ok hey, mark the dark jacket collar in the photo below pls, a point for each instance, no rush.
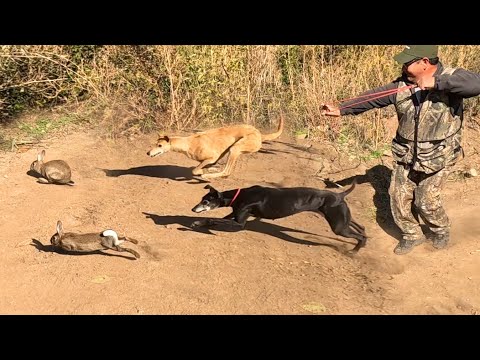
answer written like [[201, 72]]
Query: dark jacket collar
[[439, 69]]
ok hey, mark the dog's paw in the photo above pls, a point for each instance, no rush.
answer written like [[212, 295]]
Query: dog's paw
[[213, 169], [197, 172]]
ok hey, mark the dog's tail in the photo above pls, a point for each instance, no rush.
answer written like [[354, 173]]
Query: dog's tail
[[273, 136], [342, 195], [350, 189]]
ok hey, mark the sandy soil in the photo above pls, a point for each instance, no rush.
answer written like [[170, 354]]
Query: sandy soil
[[294, 265]]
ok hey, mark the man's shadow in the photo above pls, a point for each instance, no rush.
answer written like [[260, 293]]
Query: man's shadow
[[50, 248], [255, 225], [379, 177], [172, 172]]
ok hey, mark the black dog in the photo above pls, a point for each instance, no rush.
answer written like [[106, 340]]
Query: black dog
[[272, 203]]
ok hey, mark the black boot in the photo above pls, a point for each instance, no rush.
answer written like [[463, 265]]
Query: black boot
[[405, 246], [440, 241]]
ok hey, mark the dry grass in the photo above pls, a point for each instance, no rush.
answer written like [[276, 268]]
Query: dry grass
[[185, 87]]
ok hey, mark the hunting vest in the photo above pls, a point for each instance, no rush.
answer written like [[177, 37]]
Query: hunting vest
[[430, 139], [436, 122]]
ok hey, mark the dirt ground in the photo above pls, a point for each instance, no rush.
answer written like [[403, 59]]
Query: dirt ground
[[294, 265]]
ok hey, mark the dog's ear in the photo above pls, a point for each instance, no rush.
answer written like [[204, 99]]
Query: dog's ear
[[163, 137], [212, 189]]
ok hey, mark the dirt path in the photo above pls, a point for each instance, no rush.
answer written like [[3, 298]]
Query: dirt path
[[294, 265]]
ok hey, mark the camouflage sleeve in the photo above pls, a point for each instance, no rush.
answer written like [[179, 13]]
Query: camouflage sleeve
[[359, 105], [461, 82]]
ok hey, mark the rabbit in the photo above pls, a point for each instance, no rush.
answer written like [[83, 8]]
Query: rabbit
[[90, 242], [53, 172]]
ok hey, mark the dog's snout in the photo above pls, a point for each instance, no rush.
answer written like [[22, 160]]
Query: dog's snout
[[155, 151], [200, 208]]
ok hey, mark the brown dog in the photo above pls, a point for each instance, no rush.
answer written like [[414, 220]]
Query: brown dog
[[210, 146]]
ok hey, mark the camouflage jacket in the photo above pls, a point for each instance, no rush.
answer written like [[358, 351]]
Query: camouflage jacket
[[440, 118]]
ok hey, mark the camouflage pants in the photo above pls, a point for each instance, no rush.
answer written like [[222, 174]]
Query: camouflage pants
[[410, 190]]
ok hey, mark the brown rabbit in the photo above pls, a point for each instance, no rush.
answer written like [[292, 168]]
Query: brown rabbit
[[90, 242], [54, 171]]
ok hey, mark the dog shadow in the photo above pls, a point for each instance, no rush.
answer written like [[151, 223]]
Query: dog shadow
[[302, 148], [276, 151], [172, 172], [297, 150], [256, 225], [379, 177], [269, 151], [50, 248]]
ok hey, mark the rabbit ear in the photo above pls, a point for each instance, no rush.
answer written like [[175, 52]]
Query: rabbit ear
[[41, 155], [59, 228]]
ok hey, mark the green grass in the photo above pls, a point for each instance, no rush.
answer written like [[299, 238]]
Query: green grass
[[301, 131], [5, 143], [46, 126], [31, 133], [372, 213], [365, 152], [375, 153]]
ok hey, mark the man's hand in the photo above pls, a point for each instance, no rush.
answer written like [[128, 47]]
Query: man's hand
[[426, 82], [330, 110]]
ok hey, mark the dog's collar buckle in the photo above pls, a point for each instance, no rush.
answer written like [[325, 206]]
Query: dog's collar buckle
[[236, 194]]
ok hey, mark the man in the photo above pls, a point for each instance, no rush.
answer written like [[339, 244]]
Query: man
[[428, 139]]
